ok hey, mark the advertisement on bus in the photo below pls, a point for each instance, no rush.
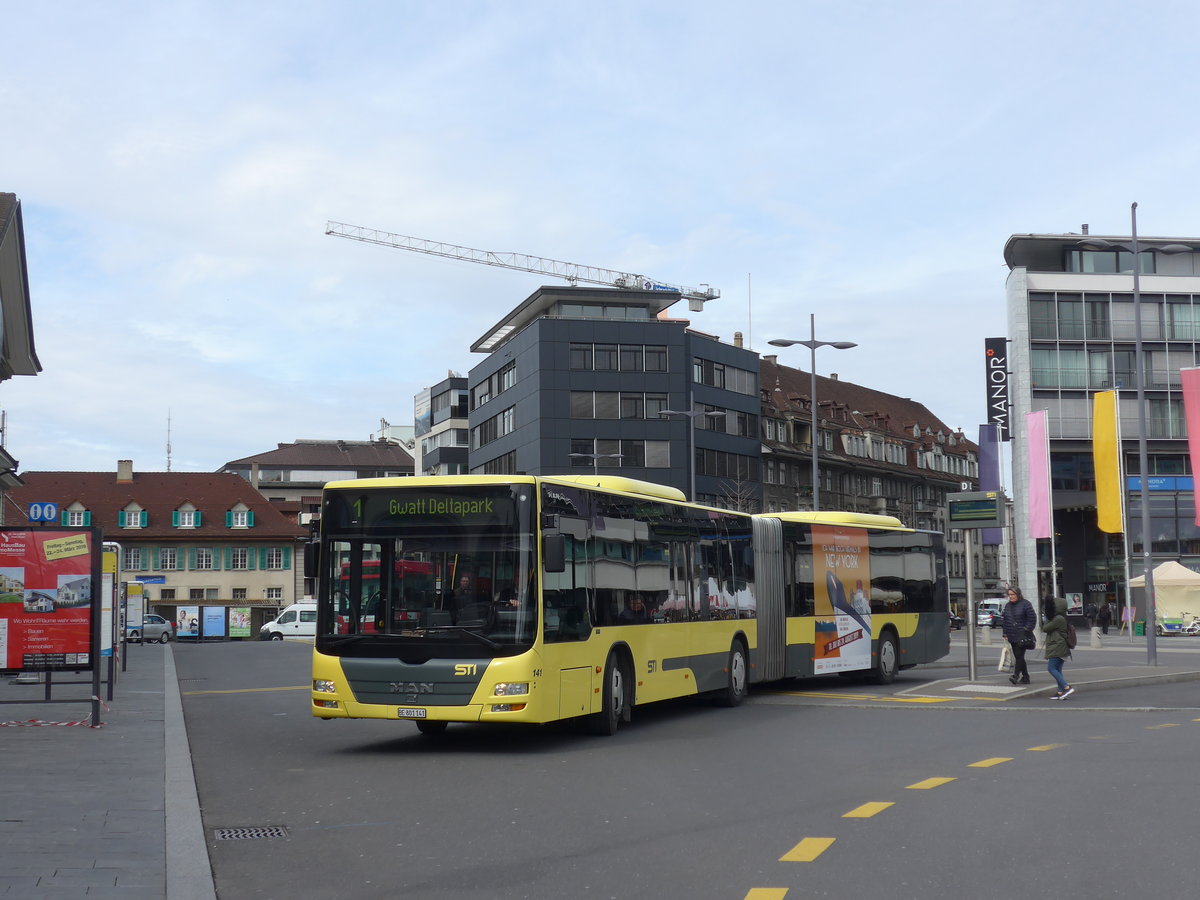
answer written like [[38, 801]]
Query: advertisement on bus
[[842, 575], [47, 619]]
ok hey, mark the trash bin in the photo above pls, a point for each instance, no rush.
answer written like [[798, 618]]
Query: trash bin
[[1139, 628]]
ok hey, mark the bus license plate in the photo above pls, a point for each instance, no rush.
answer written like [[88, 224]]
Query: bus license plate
[[406, 712]]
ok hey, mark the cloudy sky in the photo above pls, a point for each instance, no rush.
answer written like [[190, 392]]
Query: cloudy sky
[[864, 162]]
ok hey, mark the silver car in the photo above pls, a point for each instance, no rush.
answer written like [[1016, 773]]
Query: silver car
[[153, 628]]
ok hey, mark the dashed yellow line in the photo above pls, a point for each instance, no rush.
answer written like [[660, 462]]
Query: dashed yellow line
[[766, 894], [1047, 747], [1164, 725], [807, 850], [867, 810], [988, 763], [928, 784], [299, 687]]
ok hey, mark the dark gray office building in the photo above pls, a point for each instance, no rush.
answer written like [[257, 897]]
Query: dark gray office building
[[584, 380]]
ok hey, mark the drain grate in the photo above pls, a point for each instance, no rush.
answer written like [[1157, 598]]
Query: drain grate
[[250, 834]]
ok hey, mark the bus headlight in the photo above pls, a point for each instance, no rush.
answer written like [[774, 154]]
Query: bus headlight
[[324, 687], [512, 688]]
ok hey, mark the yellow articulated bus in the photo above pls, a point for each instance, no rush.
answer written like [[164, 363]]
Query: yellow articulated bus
[[489, 598]]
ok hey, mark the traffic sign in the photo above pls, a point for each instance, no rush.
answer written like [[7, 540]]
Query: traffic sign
[[43, 512]]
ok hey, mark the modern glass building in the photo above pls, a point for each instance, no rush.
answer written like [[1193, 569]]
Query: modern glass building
[[1072, 332]]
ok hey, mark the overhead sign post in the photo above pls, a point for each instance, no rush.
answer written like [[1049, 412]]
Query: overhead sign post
[[970, 511]]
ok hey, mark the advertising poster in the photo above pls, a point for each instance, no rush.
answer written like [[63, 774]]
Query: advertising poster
[[135, 604], [189, 622], [214, 621], [239, 621], [108, 591], [46, 599], [842, 576]]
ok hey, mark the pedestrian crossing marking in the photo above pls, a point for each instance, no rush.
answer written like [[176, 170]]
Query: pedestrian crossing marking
[[988, 763], [929, 783]]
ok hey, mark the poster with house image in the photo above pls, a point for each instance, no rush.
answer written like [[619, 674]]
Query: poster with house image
[[12, 584], [74, 591]]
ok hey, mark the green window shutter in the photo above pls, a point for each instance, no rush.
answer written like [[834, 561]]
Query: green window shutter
[[262, 558], [250, 519], [145, 516], [87, 519], [191, 558], [121, 518], [229, 518], [251, 558], [287, 557], [197, 519], [156, 559], [62, 517], [174, 518], [228, 557]]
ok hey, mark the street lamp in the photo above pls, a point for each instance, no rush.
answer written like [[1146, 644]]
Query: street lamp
[[812, 344], [692, 414], [595, 458], [1139, 379]]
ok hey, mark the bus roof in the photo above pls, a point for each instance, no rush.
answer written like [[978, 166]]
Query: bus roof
[[614, 483], [862, 520]]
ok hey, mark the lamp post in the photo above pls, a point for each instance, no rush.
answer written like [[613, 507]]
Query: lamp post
[[691, 414], [1139, 380], [812, 344], [595, 458]]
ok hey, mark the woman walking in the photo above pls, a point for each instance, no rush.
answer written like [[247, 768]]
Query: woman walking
[[1057, 648], [1019, 620]]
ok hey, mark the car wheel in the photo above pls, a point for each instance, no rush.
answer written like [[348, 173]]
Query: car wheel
[[735, 687], [276, 636], [431, 727], [889, 661], [135, 636], [163, 638], [615, 693]]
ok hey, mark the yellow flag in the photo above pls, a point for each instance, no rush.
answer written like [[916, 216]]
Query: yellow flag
[[1106, 451]]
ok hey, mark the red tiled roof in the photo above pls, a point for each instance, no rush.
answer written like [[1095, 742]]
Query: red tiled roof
[[333, 455], [160, 494]]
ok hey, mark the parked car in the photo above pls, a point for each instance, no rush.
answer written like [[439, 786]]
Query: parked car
[[153, 628], [990, 613]]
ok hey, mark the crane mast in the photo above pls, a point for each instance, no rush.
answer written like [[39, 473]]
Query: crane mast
[[523, 262]]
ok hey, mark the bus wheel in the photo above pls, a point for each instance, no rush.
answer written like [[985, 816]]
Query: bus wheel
[[889, 660], [431, 727], [615, 694], [735, 688]]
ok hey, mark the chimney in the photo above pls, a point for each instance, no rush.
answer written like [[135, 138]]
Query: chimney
[[737, 339], [254, 475], [1084, 227], [833, 376], [124, 471], [771, 358]]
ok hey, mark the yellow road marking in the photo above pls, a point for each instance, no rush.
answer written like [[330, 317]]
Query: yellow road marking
[[1048, 747], [867, 810], [1164, 725], [301, 687], [766, 894], [988, 763], [807, 850], [831, 695], [929, 783]]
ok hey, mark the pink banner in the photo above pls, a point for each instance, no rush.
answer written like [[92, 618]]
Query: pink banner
[[1191, 411], [1038, 501]]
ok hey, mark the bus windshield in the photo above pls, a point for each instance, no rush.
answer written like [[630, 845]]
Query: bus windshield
[[409, 567]]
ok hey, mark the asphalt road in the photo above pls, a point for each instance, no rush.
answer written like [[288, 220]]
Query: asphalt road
[[794, 794]]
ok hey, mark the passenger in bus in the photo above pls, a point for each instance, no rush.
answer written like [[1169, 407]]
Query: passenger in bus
[[634, 612], [466, 604]]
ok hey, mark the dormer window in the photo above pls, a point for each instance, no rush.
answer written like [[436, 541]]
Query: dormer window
[[76, 516], [239, 517], [186, 517], [132, 517]]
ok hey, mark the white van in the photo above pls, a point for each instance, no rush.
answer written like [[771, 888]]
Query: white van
[[297, 620]]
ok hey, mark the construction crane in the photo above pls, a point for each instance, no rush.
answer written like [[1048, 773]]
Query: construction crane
[[571, 272]]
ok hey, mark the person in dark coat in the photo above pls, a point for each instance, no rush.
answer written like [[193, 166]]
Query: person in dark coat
[[1105, 617], [1019, 620], [1057, 648]]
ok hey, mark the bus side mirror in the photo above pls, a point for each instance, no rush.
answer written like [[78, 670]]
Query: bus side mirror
[[554, 553], [312, 559]]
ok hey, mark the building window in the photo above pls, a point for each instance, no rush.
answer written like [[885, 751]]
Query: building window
[[631, 357], [239, 593], [656, 359], [581, 357], [133, 560], [239, 518], [274, 593], [195, 594], [131, 518], [168, 559], [275, 558], [167, 595], [186, 518], [605, 357], [239, 558], [76, 518], [204, 558]]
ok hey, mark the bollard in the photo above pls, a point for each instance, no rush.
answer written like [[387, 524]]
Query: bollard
[[1096, 643], [987, 635]]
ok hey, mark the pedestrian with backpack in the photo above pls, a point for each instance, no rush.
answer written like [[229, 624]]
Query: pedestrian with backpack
[[1019, 620], [1058, 633]]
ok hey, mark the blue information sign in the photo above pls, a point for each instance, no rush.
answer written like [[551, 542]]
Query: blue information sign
[[43, 512]]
